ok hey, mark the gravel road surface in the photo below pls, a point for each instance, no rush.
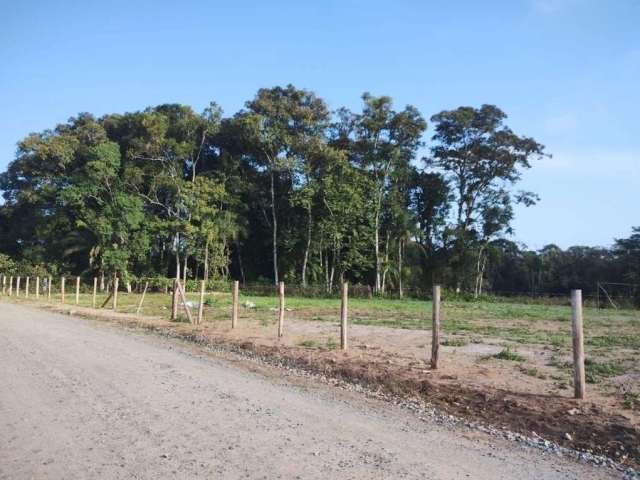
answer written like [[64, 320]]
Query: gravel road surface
[[82, 399]]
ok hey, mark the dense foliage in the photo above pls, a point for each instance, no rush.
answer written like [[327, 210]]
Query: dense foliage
[[287, 190]]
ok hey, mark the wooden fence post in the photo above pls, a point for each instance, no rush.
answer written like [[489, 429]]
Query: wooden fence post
[[95, 291], [11, 285], [4, 284], [144, 292], [578, 344], [281, 310], [37, 287], [18, 287], [435, 328], [62, 280], [49, 285], [77, 290], [344, 309], [234, 304], [26, 288], [114, 305], [201, 305]]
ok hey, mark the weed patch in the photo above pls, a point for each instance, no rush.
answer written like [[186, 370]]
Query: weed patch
[[533, 372], [595, 372], [631, 401], [454, 342], [508, 354]]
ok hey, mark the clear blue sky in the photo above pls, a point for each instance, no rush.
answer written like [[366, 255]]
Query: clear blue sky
[[567, 72]]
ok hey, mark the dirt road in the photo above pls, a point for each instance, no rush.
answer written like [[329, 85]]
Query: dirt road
[[83, 399]]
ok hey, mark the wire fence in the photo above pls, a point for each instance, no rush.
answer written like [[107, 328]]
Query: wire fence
[[600, 297]]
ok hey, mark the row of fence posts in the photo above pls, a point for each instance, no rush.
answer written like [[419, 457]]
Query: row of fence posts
[[179, 294]]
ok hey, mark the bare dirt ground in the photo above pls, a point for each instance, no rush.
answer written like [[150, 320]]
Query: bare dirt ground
[[81, 399]]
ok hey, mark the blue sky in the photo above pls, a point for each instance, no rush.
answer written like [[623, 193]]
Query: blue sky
[[567, 72]]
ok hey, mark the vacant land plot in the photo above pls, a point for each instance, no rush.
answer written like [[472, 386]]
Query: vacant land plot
[[524, 350]]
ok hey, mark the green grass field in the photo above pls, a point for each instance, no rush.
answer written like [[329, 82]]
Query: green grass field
[[520, 323]]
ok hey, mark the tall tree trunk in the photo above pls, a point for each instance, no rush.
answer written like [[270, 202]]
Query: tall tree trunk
[[184, 269], [177, 243], [479, 274], [274, 227], [484, 266], [326, 272], [240, 261], [400, 248], [377, 250], [205, 267], [331, 275], [306, 250], [383, 285]]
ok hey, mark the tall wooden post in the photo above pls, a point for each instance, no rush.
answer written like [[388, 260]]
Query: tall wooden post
[[435, 328], [4, 284], [114, 305], [201, 305], [281, 310], [234, 303], [17, 286], [95, 291], [77, 290], [49, 286], [62, 280], [578, 344], [11, 285], [38, 287], [26, 288], [344, 309]]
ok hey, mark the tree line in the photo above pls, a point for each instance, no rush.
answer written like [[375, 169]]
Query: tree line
[[287, 190]]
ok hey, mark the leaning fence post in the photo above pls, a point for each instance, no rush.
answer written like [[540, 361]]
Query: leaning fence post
[[114, 305], [344, 308], [18, 287], [183, 297], [37, 287], [77, 290], [95, 291], [144, 292], [281, 310], [435, 328], [62, 280], [26, 288], [4, 284], [234, 304], [578, 344], [201, 305]]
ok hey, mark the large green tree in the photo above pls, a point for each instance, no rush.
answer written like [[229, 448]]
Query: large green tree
[[279, 131], [482, 160], [381, 141]]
